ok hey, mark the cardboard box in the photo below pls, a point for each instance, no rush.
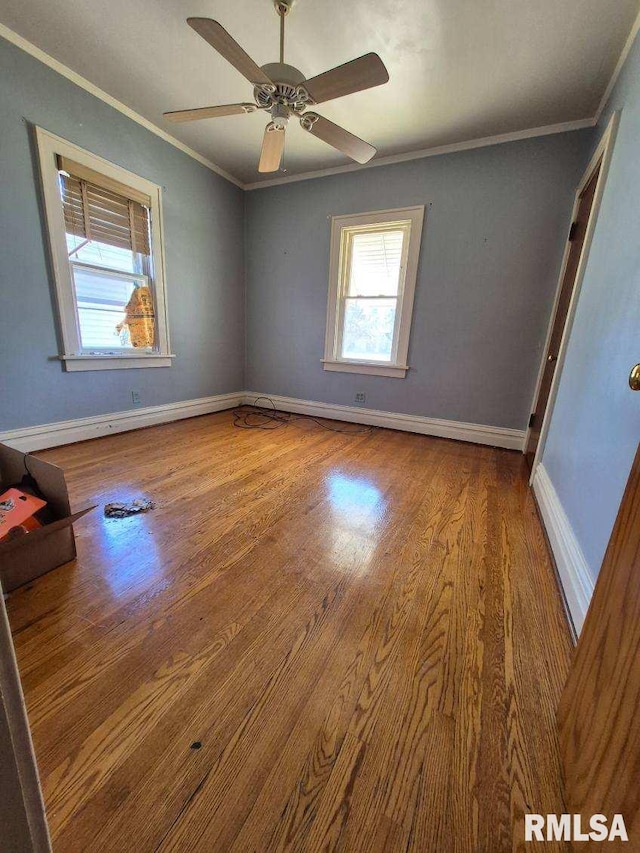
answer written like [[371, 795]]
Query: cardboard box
[[50, 546]]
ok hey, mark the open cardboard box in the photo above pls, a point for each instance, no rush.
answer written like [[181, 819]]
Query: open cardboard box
[[39, 551]]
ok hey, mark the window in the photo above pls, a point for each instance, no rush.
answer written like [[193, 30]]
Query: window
[[105, 234], [373, 267]]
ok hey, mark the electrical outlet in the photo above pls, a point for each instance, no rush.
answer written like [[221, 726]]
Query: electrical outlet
[[361, 397], [135, 398]]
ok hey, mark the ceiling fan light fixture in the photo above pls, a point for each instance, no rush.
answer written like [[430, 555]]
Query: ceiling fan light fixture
[[280, 116]]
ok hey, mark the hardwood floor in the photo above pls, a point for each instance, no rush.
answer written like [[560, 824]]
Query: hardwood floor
[[315, 641]]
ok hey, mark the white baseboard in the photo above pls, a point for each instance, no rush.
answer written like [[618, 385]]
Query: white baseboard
[[80, 429], [576, 579], [513, 439]]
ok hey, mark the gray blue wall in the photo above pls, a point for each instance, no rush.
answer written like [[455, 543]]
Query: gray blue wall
[[203, 218], [595, 426], [492, 245], [496, 224]]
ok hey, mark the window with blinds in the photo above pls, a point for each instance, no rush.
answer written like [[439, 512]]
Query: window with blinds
[[373, 263], [373, 269], [106, 244], [108, 236]]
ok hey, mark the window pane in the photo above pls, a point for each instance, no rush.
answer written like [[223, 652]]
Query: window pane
[[102, 301], [100, 254], [375, 263], [368, 329]]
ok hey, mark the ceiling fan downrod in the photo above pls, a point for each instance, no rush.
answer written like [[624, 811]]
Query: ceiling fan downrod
[[283, 7]]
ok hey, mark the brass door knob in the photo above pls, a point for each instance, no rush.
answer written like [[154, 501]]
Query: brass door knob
[[634, 378]]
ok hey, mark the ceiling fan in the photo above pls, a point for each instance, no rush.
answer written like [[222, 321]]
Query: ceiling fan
[[283, 91]]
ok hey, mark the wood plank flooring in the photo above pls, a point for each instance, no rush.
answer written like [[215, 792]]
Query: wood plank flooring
[[316, 641]]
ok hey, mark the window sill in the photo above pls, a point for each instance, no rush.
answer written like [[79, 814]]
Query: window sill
[[114, 362], [398, 371]]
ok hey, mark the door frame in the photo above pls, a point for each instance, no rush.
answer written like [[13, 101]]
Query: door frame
[[19, 778], [603, 153]]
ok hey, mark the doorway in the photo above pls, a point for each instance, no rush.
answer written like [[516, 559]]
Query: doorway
[[583, 221], [576, 240]]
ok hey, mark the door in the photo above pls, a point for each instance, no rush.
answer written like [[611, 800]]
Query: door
[[576, 240], [599, 713], [23, 823]]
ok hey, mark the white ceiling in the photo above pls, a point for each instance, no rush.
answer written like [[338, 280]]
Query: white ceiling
[[460, 69]]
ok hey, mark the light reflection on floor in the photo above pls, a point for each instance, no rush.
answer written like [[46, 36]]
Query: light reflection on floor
[[360, 515], [133, 558], [356, 496]]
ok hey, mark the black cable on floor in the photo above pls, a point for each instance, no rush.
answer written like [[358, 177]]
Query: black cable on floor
[[262, 417]]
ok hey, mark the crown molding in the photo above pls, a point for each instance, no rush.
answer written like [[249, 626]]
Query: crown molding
[[454, 147], [88, 86], [620, 64]]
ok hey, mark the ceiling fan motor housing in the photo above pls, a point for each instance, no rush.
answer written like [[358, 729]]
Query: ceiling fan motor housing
[[287, 89]]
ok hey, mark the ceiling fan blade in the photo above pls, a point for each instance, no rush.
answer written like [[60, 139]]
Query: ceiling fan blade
[[338, 137], [212, 32], [272, 148], [209, 112], [355, 76]]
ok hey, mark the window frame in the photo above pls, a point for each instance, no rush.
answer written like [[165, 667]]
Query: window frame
[[342, 228], [72, 355]]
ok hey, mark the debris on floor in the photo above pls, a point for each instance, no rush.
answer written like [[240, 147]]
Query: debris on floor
[[120, 509]]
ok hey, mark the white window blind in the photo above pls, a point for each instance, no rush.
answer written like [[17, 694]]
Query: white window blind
[[371, 287], [375, 263]]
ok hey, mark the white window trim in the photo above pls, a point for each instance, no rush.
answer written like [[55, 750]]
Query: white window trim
[[398, 366], [72, 356]]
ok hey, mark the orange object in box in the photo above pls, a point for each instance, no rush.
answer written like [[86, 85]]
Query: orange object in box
[[17, 511], [23, 558]]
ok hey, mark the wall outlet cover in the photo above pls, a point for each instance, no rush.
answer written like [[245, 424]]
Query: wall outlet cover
[[361, 397], [136, 398]]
